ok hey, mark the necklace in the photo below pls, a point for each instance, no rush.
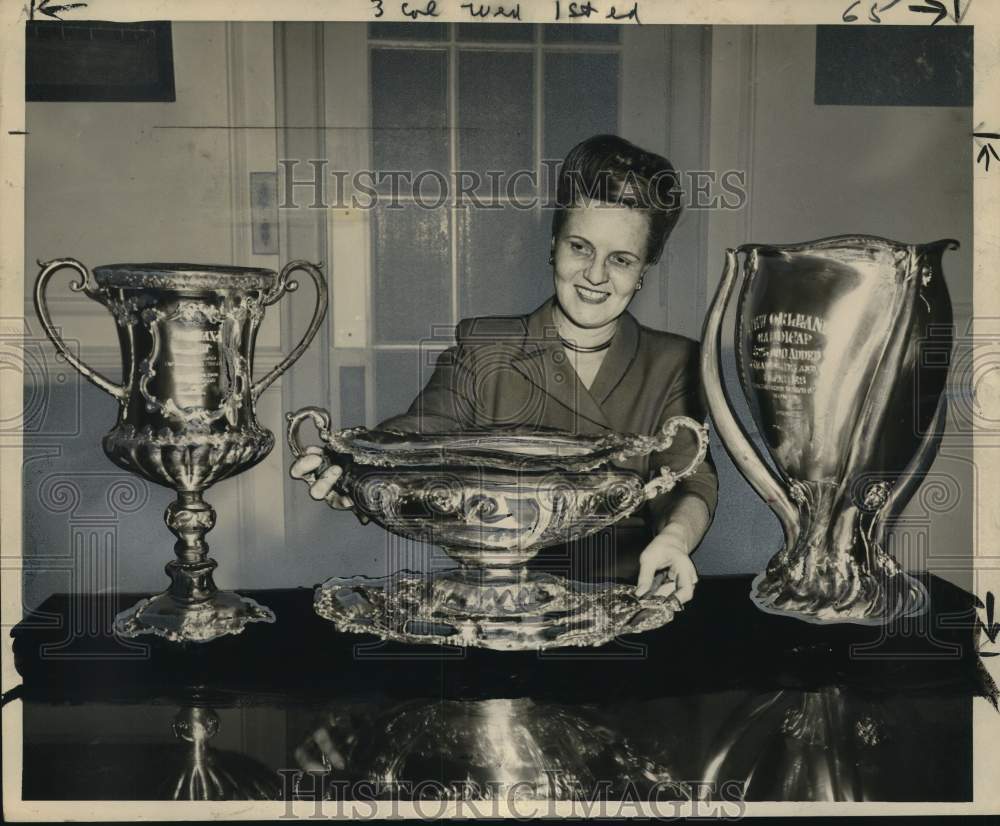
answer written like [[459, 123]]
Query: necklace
[[558, 316], [577, 349]]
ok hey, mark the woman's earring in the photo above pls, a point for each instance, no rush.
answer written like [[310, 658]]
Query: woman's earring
[[552, 260], [638, 286]]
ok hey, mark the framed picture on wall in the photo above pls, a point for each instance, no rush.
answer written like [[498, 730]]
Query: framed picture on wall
[[99, 61]]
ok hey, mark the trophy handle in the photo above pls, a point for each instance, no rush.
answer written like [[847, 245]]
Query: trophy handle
[[667, 478], [734, 436], [88, 288], [320, 418], [286, 285]]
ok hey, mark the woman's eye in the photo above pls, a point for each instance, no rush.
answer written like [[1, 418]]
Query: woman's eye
[[617, 260], [579, 248]]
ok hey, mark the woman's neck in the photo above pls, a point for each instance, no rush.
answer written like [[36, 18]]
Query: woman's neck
[[585, 337]]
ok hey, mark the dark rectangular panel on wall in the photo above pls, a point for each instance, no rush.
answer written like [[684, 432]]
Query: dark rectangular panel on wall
[[98, 61], [894, 65]]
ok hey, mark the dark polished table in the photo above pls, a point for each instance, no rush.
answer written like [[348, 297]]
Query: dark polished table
[[725, 701]]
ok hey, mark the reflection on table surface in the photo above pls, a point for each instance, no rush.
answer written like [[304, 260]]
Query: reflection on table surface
[[725, 702], [829, 744]]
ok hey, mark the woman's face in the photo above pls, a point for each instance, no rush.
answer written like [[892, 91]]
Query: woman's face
[[599, 257]]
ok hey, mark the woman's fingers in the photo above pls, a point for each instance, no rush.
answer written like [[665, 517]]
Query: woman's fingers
[[335, 500], [681, 574], [306, 464], [647, 572], [668, 587], [322, 487], [655, 557], [686, 579]]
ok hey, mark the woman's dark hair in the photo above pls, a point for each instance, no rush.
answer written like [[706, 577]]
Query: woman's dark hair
[[612, 170]]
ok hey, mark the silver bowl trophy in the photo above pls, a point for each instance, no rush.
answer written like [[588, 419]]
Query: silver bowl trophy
[[842, 347], [492, 500], [186, 415]]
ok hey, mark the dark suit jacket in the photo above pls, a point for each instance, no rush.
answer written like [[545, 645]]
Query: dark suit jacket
[[512, 370]]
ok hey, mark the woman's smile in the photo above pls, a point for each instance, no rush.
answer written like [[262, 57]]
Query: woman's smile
[[592, 296]]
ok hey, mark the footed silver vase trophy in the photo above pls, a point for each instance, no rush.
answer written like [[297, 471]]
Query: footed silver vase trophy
[[492, 500], [842, 347], [186, 410]]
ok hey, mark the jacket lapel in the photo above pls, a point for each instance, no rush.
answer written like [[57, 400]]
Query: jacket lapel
[[618, 360], [544, 364]]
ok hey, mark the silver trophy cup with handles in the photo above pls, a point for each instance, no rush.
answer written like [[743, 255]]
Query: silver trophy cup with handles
[[186, 409], [842, 347]]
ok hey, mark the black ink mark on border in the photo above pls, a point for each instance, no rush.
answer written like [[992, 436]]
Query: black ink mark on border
[[513, 13], [581, 10], [46, 8], [429, 11], [986, 149], [935, 7], [932, 7], [991, 628], [632, 14], [873, 12]]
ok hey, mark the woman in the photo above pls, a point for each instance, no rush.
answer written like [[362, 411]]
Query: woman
[[581, 362]]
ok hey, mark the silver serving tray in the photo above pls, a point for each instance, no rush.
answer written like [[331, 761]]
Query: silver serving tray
[[417, 608]]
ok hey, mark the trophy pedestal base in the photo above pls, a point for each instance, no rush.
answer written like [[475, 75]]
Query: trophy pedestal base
[[501, 609], [225, 612], [879, 602], [486, 592]]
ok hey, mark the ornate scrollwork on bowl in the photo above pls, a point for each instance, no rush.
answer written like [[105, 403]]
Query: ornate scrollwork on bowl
[[492, 500]]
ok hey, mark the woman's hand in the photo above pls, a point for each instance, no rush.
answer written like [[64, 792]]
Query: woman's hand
[[322, 487], [669, 551]]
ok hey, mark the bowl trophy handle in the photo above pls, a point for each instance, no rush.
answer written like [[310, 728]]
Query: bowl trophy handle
[[286, 285], [667, 478], [88, 288], [320, 418]]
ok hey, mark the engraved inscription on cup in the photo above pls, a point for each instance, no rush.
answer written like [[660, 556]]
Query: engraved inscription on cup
[[191, 358]]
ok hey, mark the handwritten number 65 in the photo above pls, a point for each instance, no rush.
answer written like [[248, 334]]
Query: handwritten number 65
[[847, 17]]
